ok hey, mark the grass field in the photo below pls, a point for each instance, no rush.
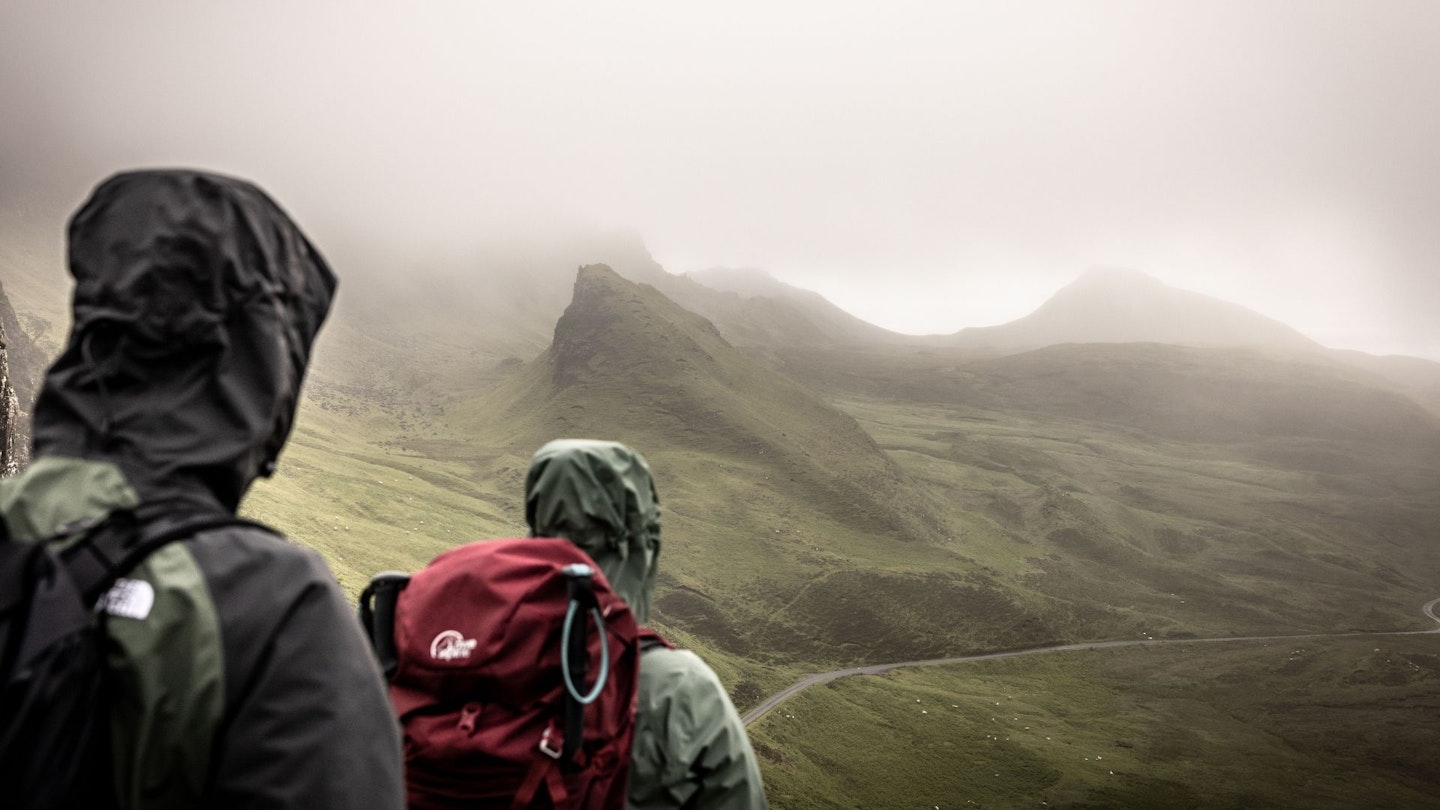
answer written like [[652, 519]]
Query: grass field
[[1309, 723]]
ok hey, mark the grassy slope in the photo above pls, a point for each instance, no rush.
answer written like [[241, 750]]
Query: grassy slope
[[1274, 528], [748, 511], [764, 487], [1179, 537], [1311, 505], [1309, 723], [369, 508]]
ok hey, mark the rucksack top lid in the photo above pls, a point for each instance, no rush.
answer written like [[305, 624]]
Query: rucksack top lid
[[485, 619]]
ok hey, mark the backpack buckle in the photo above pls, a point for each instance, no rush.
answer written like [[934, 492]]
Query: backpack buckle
[[545, 744]]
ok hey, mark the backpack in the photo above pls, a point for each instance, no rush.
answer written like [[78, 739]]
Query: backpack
[[513, 669], [54, 594]]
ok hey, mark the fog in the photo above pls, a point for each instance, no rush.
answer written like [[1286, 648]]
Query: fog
[[926, 166]]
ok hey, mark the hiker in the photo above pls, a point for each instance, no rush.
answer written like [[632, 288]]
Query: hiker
[[235, 676], [690, 748]]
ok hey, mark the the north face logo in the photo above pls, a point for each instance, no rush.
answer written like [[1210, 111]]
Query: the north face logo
[[450, 645], [131, 598]]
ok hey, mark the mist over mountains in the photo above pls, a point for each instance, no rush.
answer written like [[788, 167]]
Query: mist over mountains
[[1176, 448], [1112, 305], [1103, 305]]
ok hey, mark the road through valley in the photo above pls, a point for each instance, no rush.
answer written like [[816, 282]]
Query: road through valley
[[877, 669]]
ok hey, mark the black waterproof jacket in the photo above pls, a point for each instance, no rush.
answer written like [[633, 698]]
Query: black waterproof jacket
[[239, 677]]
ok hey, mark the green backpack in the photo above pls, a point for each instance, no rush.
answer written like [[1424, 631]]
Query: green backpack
[[54, 597]]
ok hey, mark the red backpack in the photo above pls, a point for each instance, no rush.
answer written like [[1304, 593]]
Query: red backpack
[[513, 670]]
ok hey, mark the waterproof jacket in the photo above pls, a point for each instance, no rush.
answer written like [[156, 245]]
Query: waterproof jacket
[[238, 677], [690, 747]]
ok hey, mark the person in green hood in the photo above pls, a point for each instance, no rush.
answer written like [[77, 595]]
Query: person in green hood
[[236, 674], [690, 747]]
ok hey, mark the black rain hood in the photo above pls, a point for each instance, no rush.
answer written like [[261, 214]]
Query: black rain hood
[[196, 302], [600, 496]]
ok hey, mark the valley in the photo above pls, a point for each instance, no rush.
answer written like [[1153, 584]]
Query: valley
[[835, 498]]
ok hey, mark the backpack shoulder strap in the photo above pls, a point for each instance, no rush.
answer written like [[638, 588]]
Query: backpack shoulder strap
[[111, 548], [650, 640], [377, 616]]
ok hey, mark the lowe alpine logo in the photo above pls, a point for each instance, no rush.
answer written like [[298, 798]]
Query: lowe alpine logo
[[451, 646]]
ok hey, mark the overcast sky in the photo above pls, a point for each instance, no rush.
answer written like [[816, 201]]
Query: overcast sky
[[926, 166]]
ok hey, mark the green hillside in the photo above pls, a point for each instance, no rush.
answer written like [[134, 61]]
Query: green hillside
[[975, 504], [825, 507], [777, 506], [1274, 492]]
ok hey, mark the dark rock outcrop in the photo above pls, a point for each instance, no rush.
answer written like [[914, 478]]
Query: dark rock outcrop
[[17, 390], [10, 438]]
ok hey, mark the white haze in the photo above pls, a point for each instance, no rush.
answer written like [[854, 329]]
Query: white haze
[[927, 166]]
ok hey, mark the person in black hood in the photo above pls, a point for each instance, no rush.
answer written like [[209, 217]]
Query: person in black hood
[[238, 677]]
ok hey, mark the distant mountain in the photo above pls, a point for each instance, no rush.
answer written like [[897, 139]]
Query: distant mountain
[[1419, 377], [753, 308], [436, 329], [500, 298], [778, 505], [628, 363], [1110, 305], [37, 287], [1241, 397], [1217, 396]]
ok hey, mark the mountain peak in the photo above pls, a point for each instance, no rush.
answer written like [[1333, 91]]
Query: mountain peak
[[613, 325], [629, 363], [1118, 305]]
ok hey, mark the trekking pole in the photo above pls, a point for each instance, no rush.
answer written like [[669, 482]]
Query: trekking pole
[[575, 654]]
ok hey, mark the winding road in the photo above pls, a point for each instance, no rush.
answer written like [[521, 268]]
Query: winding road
[[876, 669]]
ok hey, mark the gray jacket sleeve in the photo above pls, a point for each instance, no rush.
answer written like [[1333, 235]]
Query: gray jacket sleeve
[[308, 721], [691, 749]]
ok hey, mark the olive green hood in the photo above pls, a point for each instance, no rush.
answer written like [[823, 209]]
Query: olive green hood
[[600, 496]]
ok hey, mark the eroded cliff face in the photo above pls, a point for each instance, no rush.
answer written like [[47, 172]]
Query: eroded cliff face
[[9, 416], [14, 420]]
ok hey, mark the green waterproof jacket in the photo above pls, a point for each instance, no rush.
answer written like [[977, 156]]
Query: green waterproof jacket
[[690, 747], [238, 677]]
